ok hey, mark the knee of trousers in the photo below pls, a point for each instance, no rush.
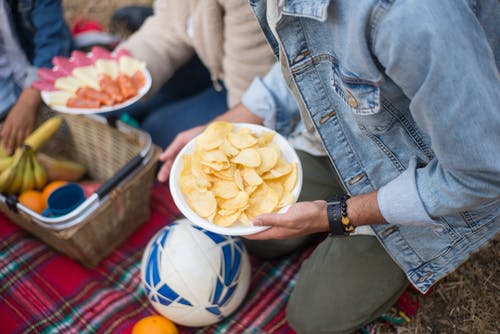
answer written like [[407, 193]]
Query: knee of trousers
[[343, 285]]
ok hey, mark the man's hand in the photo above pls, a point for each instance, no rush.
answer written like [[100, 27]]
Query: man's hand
[[20, 120], [310, 217], [301, 219], [174, 148]]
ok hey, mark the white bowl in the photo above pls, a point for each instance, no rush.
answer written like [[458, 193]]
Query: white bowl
[[238, 228]]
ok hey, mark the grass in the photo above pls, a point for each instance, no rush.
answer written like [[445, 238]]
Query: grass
[[465, 302]]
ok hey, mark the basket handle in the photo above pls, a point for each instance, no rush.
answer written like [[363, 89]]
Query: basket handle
[[119, 176]]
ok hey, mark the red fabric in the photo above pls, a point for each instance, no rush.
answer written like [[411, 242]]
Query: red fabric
[[81, 26], [42, 291]]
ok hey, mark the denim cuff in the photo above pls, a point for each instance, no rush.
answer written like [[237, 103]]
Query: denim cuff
[[259, 101], [31, 75], [399, 201]]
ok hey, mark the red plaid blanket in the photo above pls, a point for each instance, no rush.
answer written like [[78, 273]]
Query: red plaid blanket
[[42, 291]]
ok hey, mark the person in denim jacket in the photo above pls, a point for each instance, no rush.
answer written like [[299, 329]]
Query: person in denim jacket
[[32, 32], [399, 106]]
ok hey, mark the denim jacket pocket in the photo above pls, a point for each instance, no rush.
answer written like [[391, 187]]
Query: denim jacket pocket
[[363, 99], [482, 215]]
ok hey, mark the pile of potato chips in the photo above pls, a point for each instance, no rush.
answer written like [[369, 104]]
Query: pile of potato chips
[[234, 175]]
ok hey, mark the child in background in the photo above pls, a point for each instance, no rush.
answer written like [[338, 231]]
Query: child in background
[[31, 34]]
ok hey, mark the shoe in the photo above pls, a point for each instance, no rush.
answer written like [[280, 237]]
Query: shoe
[[129, 19]]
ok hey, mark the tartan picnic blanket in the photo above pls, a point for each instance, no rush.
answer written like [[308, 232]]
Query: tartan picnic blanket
[[43, 291]]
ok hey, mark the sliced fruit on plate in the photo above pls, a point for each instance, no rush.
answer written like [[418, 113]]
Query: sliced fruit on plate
[[98, 52], [108, 66], [79, 58], [43, 85], [50, 75], [59, 98], [68, 84], [129, 65], [88, 76], [93, 94], [63, 64]]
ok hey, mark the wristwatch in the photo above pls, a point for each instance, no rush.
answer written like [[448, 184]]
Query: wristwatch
[[339, 224]]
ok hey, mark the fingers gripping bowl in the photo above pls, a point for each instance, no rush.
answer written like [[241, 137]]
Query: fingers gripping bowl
[[231, 173]]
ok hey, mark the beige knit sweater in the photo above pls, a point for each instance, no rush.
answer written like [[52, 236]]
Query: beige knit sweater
[[223, 33]]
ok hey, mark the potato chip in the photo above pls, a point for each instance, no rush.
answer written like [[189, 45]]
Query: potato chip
[[250, 189], [203, 203], [225, 189], [265, 138], [244, 219], [268, 157], [234, 176], [291, 179], [226, 220], [242, 140], [214, 135], [263, 200], [277, 186], [229, 149], [239, 201], [282, 168], [215, 159], [225, 174], [286, 200], [238, 179], [188, 184], [248, 157], [251, 177]]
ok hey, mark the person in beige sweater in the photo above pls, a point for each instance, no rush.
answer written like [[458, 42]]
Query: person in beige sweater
[[202, 56]]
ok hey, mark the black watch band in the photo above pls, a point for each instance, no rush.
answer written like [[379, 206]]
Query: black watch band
[[336, 210]]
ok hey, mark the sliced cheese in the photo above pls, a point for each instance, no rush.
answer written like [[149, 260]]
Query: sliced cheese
[[68, 84], [108, 66], [88, 75], [129, 65], [58, 98]]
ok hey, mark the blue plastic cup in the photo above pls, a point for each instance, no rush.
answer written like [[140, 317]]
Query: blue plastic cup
[[64, 199]]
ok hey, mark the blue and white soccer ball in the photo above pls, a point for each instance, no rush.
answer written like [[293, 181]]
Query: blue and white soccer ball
[[194, 277]]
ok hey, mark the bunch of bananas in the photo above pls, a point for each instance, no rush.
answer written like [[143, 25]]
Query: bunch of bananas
[[22, 171]]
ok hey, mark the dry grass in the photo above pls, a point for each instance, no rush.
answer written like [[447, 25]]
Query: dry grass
[[465, 302]]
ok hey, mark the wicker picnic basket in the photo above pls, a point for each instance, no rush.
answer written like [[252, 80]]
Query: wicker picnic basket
[[121, 157]]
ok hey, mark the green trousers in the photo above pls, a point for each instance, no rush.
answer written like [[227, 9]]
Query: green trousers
[[347, 281]]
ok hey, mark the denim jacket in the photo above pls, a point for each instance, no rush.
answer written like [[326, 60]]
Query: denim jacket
[[405, 96], [41, 29]]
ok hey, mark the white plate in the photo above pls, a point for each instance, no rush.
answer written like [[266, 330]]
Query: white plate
[[237, 228], [144, 89]]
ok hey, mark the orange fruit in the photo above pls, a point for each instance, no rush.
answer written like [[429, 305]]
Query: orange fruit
[[50, 187], [33, 200], [154, 324]]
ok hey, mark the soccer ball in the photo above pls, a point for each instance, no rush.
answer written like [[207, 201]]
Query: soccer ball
[[194, 277]]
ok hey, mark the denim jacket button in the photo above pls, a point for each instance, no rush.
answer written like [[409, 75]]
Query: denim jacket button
[[352, 102]]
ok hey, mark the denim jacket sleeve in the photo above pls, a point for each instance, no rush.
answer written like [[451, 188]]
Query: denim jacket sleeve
[[270, 99], [439, 55], [51, 36]]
